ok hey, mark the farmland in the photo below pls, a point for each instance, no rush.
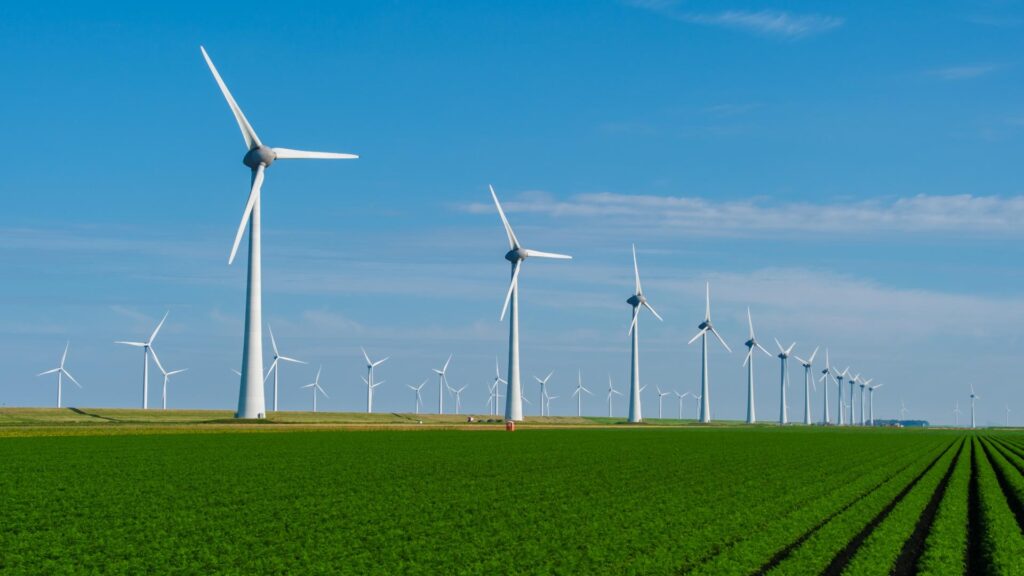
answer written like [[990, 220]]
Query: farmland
[[597, 500]]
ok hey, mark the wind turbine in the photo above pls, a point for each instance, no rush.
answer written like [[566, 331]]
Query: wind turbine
[[696, 398], [547, 402], [370, 384], [751, 344], [852, 382], [825, 373], [419, 399], [442, 383], [973, 398], [543, 390], [146, 347], [808, 382], [611, 391], [498, 381], [680, 397], [458, 398], [1007, 415], [863, 384], [578, 393], [956, 412], [784, 380], [60, 371], [871, 401], [661, 398], [257, 158], [903, 412], [637, 301], [838, 377], [705, 327], [275, 366], [167, 376], [315, 385], [516, 255]]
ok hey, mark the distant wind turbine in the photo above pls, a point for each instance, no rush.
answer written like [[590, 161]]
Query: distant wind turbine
[[973, 398], [146, 347], [808, 383], [578, 393], [547, 403], [417, 389], [956, 412], [838, 376], [543, 390], [852, 382], [60, 371], [251, 401], [442, 383], [826, 372], [706, 327], [498, 383], [784, 380], [903, 411], [661, 403], [167, 377], [680, 397], [611, 391], [871, 402], [457, 392], [863, 384], [751, 344], [275, 366], [315, 385], [516, 255], [370, 384], [1007, 415], [637, 301]]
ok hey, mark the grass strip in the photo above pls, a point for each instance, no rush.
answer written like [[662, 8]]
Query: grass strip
[[1002, 544], [945, 547]]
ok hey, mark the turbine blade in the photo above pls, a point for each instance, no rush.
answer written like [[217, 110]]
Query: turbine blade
[[251, 139], [136, 344], [762, 349], [158, 326], [779, 344], [379, 362], [365, 355], [651, 308], [699, 334], [64, 356], [157, 359], [513, 243], [254, 194], [750, 353], [57, 369], [290, 359], [707, 300], [273, 343], [70, 377], [813, 354], [632, 324], [720, 339], [511, 287], [636, 271], [288, 154], [448, 361], [273, 366], [549, 255]]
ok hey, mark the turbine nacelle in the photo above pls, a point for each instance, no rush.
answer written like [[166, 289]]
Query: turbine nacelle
[[259, 155], [517, 255], [636, 300]]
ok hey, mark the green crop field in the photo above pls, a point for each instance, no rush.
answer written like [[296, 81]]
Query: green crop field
[[575, 500]]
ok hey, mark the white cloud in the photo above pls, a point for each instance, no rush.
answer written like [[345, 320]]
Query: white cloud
[[765, 22], [963, 72]]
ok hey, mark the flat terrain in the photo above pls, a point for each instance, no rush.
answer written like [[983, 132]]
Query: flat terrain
[[580, 499]]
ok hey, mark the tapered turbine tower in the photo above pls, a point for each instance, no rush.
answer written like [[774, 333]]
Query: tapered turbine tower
[[853, 384], [251, 403], [751, 344], [705, 328], [871, 403], [637, 301], [808, 383], [863, 384], [370, 383], [973, 398], [826, 372], [515, 256], [784, 380], [838, 376]]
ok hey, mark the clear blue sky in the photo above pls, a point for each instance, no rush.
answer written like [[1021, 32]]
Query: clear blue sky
[[850, 171]]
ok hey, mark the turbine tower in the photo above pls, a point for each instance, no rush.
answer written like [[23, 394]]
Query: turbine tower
[[852, 382], [871, 402], [167, 377], [864, 384], [498, 381], [680, 397], [838, 377], [973, 398], [458, 398], [275, 366], [637, 301], [417, 389], [543, 390], [751, 343], [578, 393], [146, 347], [705, 327], [515, 255], [956, 412], [808, 383], [1007, 415], [370, 384], [547, 402], [251, 402], [315, 385], [825, 373], [784, 380], [661, 401], [611, 390], [60, 371], [442, 383]]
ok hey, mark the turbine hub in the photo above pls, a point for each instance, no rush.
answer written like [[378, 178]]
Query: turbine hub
[[750, 343], [515, 255], [636, 300], [704, 324], [259, 155]]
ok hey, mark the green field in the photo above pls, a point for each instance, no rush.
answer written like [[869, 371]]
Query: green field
[[580, 499]]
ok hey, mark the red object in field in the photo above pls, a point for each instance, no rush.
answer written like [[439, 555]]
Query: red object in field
[[510, 426]]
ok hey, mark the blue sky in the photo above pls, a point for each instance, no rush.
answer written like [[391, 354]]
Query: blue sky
[[850, 171]]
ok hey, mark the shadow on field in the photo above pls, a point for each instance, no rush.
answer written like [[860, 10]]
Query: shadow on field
[[91, 415]]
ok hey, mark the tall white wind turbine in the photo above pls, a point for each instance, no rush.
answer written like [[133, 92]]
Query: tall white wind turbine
[[543, 390], [838, 376], [681, 397], [784, 380], [457, 392], [498, 383], [257, 158], [60, 371], [871, 402], [370, 383], [578, 393], [315, 385], [751, 344], [417, 389], [442, 383], [515, 255], [661, 401], [903, 411], [863, 384], [853, 383], [973, 398], [547, 403], [826, 372], [808, 382], [167, 377], [146, 347], [611, 391], [706, 327], [275, 366], [637, 301]]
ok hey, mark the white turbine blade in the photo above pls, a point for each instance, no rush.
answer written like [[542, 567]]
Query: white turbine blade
[[254, 194], [57, 369], [158, 326], [136, 344], [511, 286], [70, 377], [616, 392], [651, 308], [790, 349], [632, 324], [365, 355], [762, 349], [750, 322], [157, 360], [251, 139], [290, 359], [379, 362], [512, 241], [172, 373], [720, 339], [636, 271], [813, 354], [64, 356], [587, 391], [879, 386], [699, 334], [448, 361], [779, 344], [309, 385], [750, 353], [237, 373], [548, 377], [707, 301], [800, 360], [322, 391], [550, 255], [273, 365], [273, 343], [288, 154]]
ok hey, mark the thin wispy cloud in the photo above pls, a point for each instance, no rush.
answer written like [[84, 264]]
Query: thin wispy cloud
[[965, 72], [981, 215], [764, 22]]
